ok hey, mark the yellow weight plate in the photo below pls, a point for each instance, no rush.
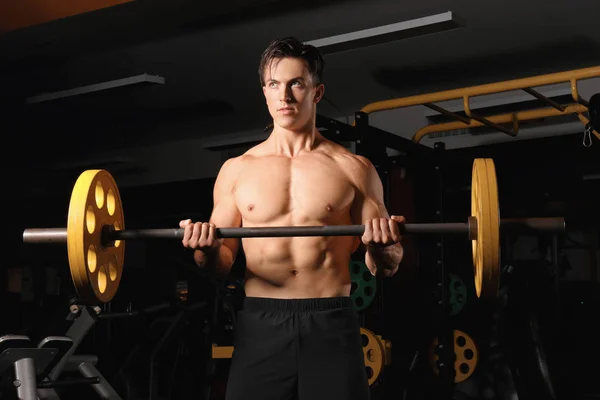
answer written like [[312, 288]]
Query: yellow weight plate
[[374, 353], [96, 267], [486, 246], [466, 353]]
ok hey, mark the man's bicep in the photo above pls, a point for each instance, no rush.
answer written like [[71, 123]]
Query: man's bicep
[[367, 208], [369, 198], [225, 213]]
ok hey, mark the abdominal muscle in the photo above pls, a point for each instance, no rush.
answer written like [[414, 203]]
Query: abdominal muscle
[[298, 267], [307, 190]]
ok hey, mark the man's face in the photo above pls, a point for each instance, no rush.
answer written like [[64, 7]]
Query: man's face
[[291, 93]]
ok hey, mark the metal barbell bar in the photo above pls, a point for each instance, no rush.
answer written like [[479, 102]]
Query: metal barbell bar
[[512, 225]]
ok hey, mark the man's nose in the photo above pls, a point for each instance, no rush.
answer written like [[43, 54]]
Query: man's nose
[[285, 93]]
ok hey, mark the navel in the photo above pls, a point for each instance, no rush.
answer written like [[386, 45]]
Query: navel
[[295, 272], [329, 208], [250, 207]]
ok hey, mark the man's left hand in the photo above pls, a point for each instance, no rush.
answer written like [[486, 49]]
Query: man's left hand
[[382, 232]]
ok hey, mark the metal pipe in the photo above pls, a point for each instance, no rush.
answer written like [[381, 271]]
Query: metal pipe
[[447, 113], [543, 98], [575, 94], [45, 235], [543, 225], [485, 121], [25, 379], [103, 388], [68, 382], [490, 88], [500, 119]]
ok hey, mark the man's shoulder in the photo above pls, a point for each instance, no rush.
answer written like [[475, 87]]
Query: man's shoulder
[[231, 167], [359, 169], [250, 154], [255, 151], [349, 159]]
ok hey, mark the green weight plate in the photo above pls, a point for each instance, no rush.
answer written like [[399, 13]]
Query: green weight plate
[[364, 285], [458, 294]]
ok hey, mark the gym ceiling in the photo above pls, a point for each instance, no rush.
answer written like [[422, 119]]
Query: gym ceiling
[[207, 53]]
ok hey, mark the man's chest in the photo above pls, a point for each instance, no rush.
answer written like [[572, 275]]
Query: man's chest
[[315, 188]]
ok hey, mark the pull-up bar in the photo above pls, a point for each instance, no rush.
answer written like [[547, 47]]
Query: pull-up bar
[[473, 120]]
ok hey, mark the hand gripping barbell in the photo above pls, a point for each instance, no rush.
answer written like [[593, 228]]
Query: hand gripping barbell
[[95, 232]]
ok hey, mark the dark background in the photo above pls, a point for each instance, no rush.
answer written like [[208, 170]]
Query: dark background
[[547, 316]]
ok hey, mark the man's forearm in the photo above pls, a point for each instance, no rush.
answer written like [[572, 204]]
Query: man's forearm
[[384, 260], [219, 262]]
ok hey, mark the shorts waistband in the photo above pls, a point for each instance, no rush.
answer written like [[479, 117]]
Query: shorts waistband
[[311, 304]]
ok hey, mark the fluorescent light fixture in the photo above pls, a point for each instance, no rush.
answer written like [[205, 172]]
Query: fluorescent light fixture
[[133, 80], [388, 33]]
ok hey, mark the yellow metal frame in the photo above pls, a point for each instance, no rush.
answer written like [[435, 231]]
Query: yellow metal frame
[[473, 120]]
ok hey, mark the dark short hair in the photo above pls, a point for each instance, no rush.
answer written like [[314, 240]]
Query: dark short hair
[[292, 47]]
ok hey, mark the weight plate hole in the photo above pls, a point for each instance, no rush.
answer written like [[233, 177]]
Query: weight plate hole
[[367, 276], [117, 227], [111, 202], [102, 281], [461, 341], [464, 368], [370, 355], [99, 195], [90, 220], [359, 301], [112, 268], [370, 372], [92, 259], [468, 353], [365, 340], [353, 287]]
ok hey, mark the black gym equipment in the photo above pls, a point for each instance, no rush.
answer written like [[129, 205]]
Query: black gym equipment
[[37, 370]]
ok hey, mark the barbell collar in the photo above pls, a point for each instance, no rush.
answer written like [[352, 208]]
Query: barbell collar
[[514, 225]]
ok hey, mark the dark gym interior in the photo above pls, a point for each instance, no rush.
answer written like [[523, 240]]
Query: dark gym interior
[[161, 93]]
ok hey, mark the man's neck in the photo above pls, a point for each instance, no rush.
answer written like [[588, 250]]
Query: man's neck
[[291, 143]]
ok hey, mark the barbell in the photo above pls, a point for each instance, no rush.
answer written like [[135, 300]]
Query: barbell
[[95, 234]]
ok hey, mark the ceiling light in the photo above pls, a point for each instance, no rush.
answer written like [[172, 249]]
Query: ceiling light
[[388, 33], [133, 80]]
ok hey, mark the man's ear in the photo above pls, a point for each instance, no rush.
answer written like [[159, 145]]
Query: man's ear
[[319, 93]]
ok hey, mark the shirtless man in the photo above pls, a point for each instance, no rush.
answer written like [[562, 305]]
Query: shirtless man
[[297, 335]]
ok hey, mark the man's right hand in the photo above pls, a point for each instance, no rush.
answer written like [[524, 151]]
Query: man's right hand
[[200, 236]]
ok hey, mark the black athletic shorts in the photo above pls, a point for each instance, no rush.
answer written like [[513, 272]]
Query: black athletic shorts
[[297, 349]]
